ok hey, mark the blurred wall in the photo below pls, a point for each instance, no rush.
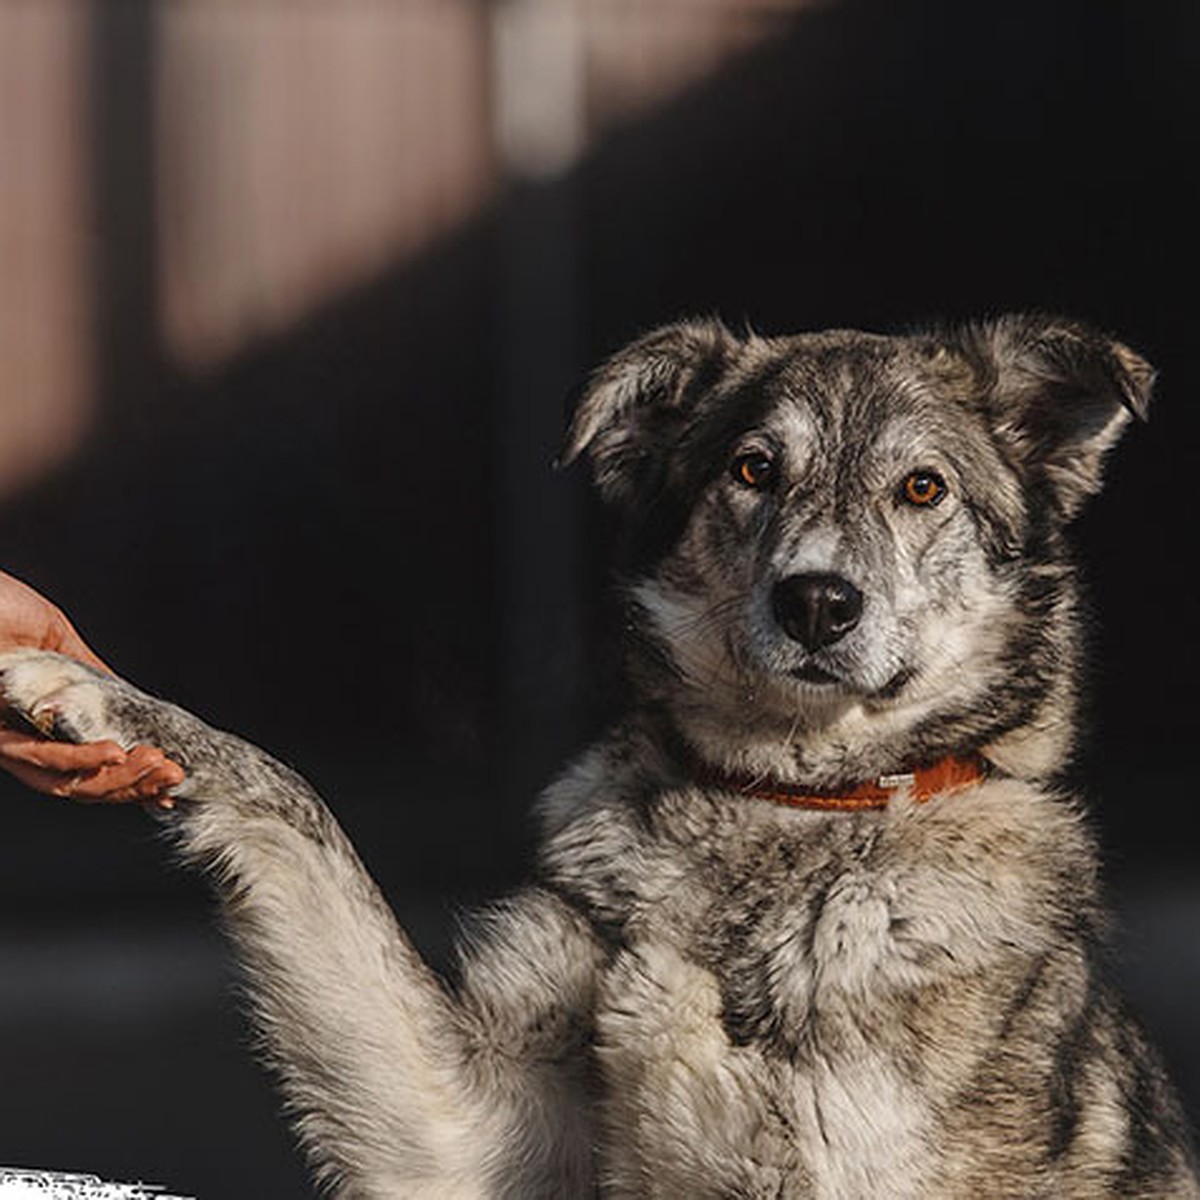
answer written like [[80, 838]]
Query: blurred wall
[[290, 298]]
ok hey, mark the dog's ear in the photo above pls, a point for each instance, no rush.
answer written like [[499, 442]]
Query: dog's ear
[[632, 406], [1060, 396]]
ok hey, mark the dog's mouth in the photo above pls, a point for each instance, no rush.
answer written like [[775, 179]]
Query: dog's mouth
[[822, 678], [811, 673]]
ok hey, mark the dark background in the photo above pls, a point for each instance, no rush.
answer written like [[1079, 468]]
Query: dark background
[[346, 541]]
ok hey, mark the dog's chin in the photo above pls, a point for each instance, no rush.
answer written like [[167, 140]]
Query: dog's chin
[[820, 683]]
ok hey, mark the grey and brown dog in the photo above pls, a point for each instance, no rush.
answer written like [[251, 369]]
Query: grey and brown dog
[[816, 918]]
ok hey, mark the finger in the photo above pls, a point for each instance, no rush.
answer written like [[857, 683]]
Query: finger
[[53, 783], [141, 792], [64, 639], [145, 774], [30, 619], [144, 760], [17, 745], [160, 774]]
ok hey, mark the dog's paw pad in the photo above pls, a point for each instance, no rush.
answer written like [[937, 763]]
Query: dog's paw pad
[[59, 697]]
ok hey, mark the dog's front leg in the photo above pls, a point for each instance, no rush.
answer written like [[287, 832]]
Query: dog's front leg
[[398, 1088]]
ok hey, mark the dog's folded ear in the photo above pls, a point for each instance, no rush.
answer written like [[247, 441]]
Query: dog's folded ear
[[633, 405], [1060, 395]]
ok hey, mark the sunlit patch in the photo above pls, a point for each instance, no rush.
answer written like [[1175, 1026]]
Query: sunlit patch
[[19, 1184]]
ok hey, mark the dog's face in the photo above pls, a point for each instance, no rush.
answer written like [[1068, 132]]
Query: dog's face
[[835, 552], [841, 541]]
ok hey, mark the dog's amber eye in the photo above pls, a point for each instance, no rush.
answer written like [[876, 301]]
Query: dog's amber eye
[[923, 488], [754, 469]]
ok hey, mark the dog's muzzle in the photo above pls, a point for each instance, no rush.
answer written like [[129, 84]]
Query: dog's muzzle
[[816, 609]]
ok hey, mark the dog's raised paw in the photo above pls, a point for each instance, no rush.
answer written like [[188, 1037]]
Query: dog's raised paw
[[59, 697]]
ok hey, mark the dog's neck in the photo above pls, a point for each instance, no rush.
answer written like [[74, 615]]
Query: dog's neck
[[847, 758], [942, 778]]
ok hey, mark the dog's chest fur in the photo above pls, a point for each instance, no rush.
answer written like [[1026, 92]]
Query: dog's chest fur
[[796, 1001]]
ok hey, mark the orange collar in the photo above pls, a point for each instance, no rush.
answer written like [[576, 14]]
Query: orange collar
[[941, 779]]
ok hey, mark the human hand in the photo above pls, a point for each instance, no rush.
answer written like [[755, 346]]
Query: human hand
[[93, 771]]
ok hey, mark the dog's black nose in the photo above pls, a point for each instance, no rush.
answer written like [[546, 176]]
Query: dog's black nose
[[816, 609]]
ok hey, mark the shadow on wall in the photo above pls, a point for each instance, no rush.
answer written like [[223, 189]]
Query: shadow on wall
[[346, 541]]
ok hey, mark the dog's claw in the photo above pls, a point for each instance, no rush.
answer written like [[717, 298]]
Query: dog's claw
[[46, 722]]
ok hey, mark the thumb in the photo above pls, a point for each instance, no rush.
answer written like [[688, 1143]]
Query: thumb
[[63, 638]]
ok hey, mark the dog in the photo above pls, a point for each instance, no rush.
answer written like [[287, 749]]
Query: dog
[[817, 918]]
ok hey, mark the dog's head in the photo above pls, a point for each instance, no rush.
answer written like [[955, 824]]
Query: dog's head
[[845, 550]]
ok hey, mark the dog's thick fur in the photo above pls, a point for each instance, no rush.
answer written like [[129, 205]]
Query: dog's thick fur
[[705, 993]]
